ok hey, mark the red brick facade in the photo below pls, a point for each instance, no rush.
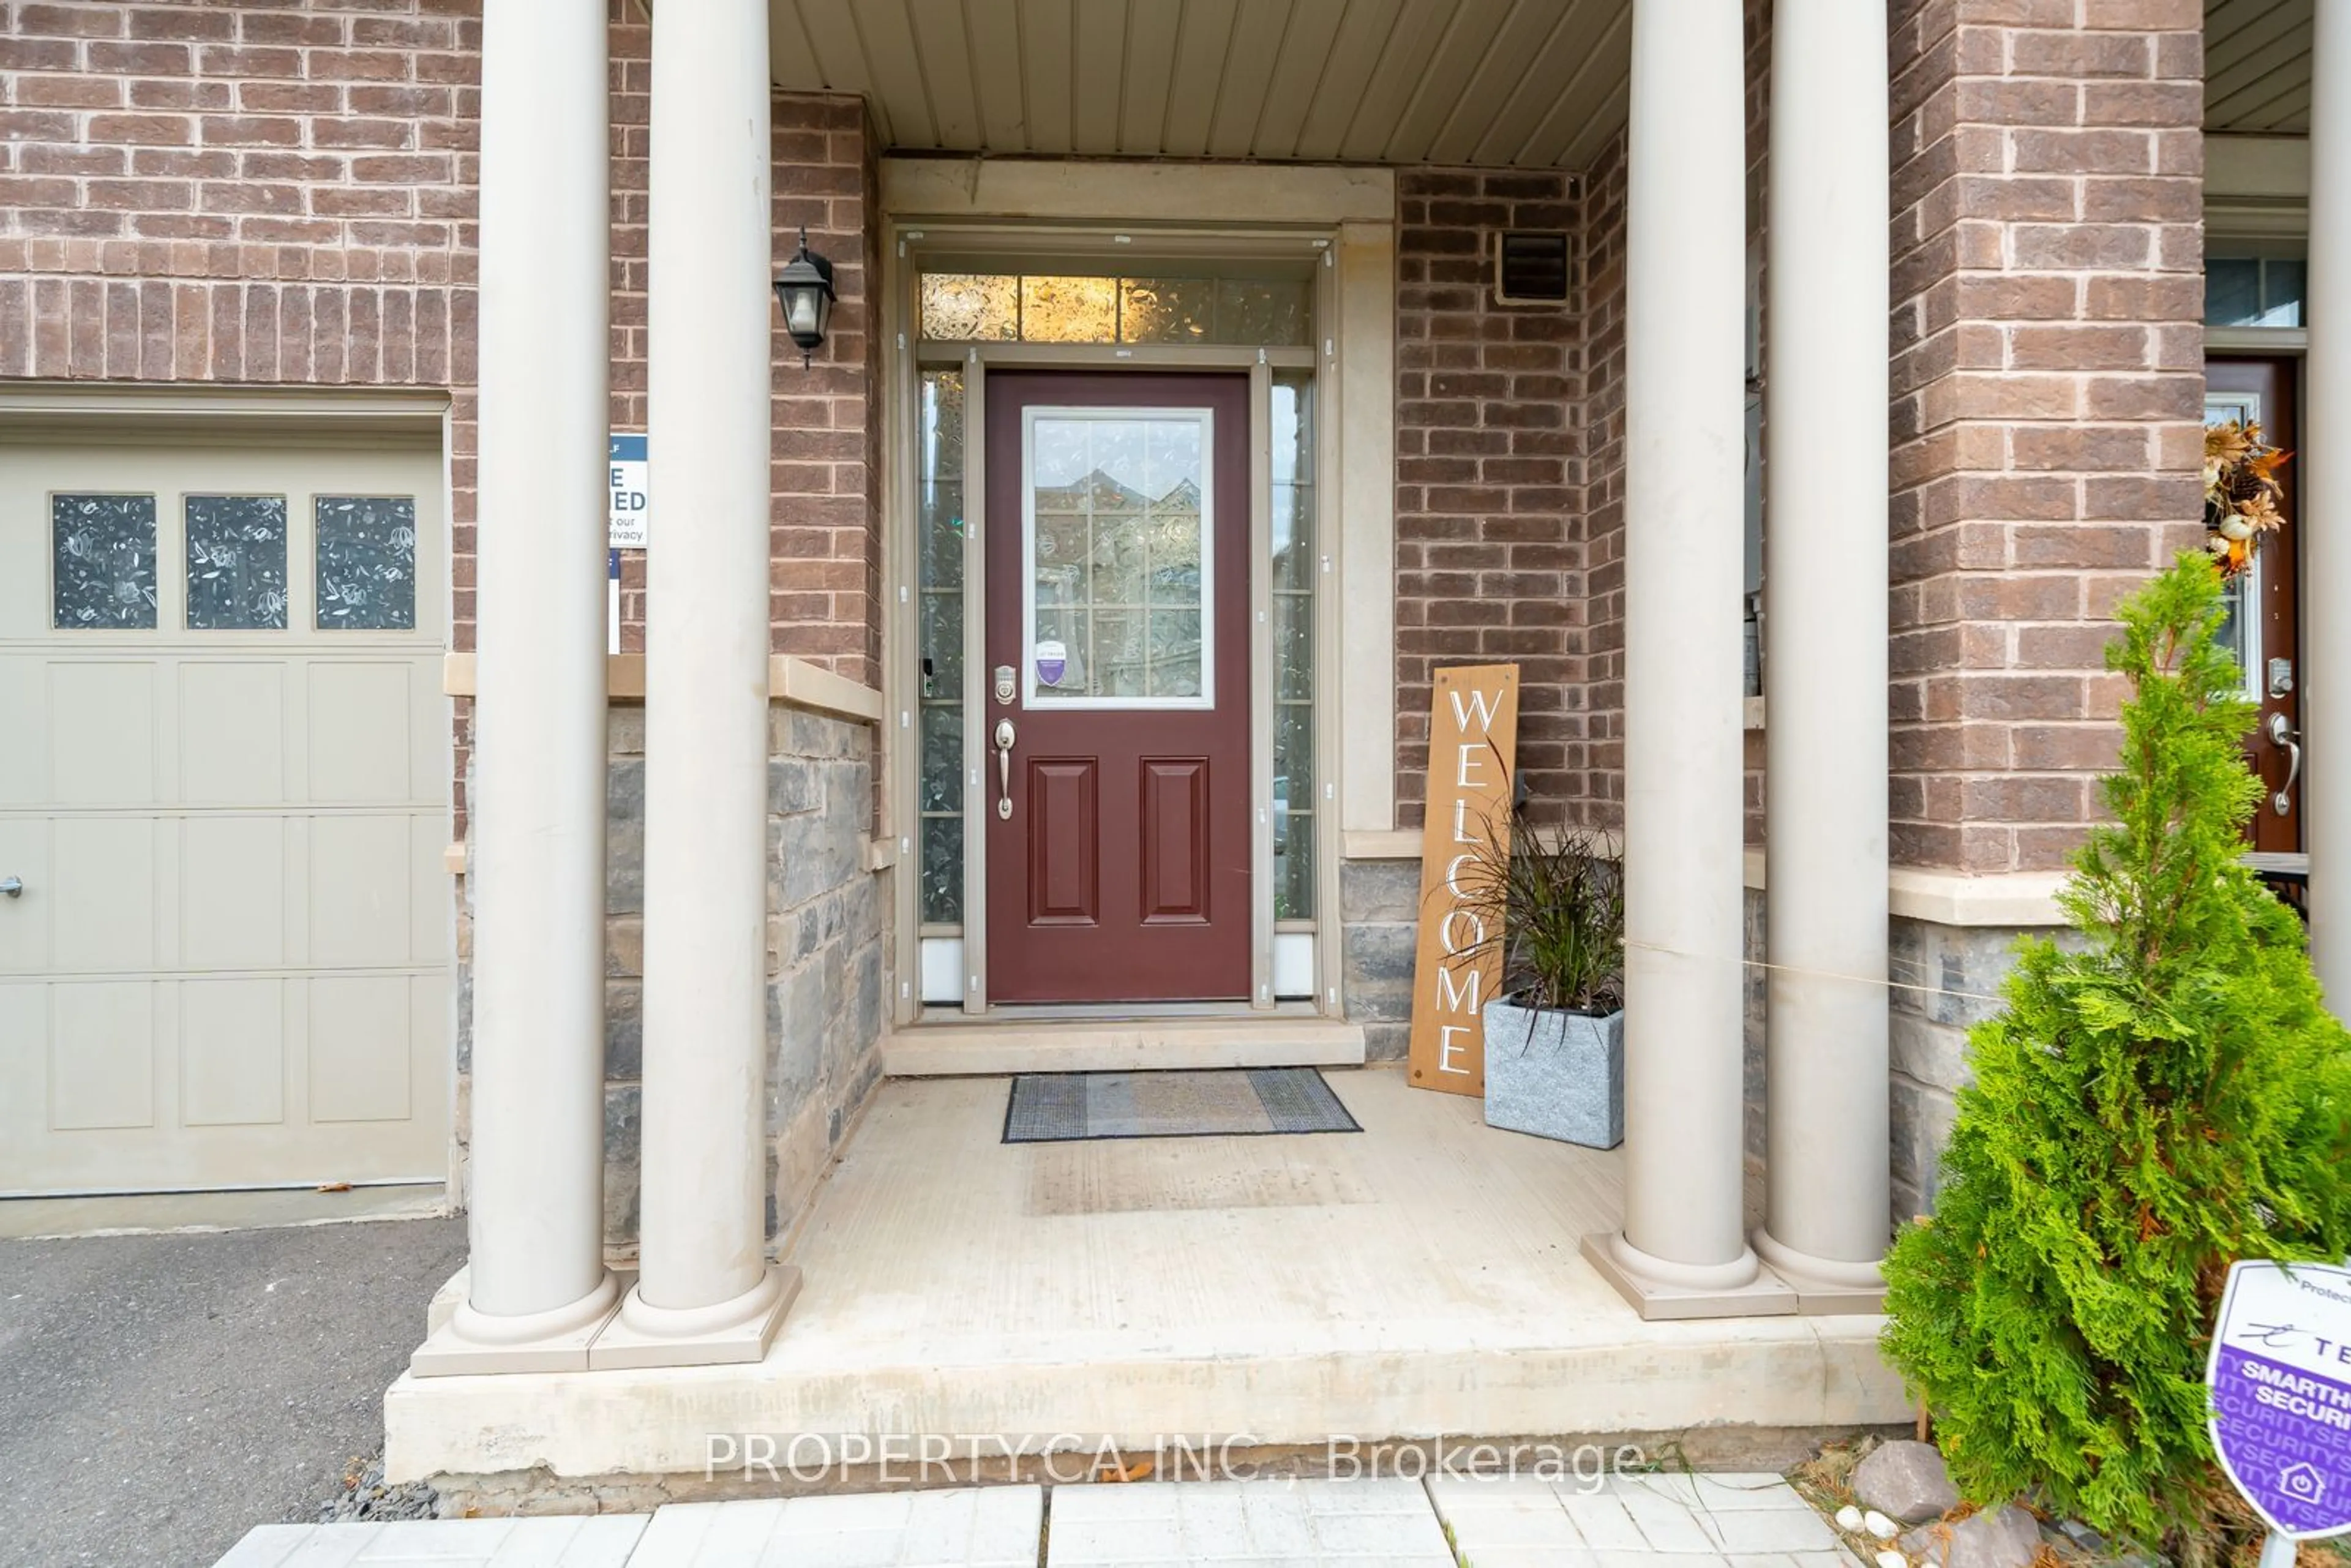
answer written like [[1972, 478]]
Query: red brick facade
[[2047, 374], [279, 195], [284, 194], [1490, 508], [281, 192]]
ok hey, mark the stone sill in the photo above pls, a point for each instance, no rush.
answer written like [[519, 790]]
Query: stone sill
[[1945, 898], [2020, 898], [790, 680]]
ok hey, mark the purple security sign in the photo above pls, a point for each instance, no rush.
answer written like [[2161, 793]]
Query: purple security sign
[[2280, 1382], [1052, 663]]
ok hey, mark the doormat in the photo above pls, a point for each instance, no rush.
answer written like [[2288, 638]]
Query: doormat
[[1063, 1107]]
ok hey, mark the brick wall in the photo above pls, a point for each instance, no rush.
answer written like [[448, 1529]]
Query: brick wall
[[1601, 279], [1489, 510], [258, 194], [2047, 373], [282, 194]]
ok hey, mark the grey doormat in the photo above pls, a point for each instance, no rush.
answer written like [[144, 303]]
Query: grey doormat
[[1062, 1107]]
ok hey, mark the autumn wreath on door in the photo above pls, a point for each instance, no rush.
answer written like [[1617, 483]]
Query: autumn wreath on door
[[2241, 492]]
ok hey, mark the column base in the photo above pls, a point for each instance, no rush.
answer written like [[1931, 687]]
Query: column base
[[727, 1334], [1825, 1287], [476, 1343], [1662, 1290]]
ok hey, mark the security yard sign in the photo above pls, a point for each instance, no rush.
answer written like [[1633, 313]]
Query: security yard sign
[[626, 469], [2281, 1381]]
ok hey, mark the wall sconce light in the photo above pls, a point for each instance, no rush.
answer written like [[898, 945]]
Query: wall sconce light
[[805, 291]]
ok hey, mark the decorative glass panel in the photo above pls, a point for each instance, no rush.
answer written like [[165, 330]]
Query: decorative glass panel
[[939, 634], [1118, 555], [1069, 309], [967, 306], [1167, 310], [367, 563], [943, 871], [2239, 632], [105, 553], [1295, 571], [236, 563], [1253, 311], [961, 306]]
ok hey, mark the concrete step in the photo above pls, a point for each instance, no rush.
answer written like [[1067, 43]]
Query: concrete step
[[1119, 1045]]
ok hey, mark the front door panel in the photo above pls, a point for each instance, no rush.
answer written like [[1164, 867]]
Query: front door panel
[[1118, 827], [2263, 626]]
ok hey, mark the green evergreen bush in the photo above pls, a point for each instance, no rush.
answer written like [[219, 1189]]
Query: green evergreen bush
[[2155, 1102]]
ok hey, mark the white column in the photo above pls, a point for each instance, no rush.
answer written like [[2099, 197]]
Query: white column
[[705, 1292], [2325, 523], [537, 1287], [1683, 1250], [1825, 584]]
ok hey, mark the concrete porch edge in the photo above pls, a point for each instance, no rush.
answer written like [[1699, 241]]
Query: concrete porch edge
[[989, 1049]]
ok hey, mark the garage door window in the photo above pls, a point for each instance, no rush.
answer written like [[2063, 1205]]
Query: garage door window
[[236, 563], [105, 562], [367, 563]]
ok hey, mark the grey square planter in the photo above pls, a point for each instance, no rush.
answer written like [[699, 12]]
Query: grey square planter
[[1555, 1074]]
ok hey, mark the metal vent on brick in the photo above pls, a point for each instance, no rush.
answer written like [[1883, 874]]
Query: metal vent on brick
[[1530, 268]]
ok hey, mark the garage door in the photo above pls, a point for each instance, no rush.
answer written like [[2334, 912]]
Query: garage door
[[223, 786]]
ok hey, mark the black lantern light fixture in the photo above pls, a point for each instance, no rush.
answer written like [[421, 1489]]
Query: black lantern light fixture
[[805, 291]]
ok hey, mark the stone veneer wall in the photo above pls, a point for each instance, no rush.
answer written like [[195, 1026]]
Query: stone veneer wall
[[1379, 933], [827, 959]]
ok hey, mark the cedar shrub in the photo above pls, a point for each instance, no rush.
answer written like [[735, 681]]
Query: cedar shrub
[[2155, 1100]]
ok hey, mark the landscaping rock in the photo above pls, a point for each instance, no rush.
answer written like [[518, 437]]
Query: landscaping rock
[[1907, 1481], [2004, 1538], [1848, 1518], [1880, 1526], [1889, 1558]]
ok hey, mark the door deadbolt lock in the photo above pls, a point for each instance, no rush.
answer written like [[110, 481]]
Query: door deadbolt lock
[[1004, 684]]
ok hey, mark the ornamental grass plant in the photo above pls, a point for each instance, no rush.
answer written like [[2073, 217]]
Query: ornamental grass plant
[[2160, 1099]]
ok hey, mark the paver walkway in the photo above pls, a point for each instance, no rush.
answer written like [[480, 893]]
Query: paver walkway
[[1712, 1521]]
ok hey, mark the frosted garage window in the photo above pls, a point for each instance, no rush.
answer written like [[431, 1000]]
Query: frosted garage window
[[367, 563], [104, 552], [236, 563]]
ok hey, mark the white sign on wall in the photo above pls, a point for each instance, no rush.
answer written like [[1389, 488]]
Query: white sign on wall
[[626, 472]]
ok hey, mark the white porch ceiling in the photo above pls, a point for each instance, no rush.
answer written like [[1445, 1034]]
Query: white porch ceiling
[[1532, 84], [2257, 66]]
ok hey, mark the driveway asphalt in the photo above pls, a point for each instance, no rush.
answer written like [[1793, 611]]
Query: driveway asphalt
[[161, 1395]]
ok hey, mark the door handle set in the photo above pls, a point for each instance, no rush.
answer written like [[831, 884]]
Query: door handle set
[[1004, 770], [13, 887], [2280, 732]]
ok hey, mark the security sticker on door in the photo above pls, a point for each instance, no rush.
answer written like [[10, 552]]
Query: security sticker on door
[[1052, 663]]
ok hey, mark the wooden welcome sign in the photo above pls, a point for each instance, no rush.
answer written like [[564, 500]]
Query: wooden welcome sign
[[1473, 731]]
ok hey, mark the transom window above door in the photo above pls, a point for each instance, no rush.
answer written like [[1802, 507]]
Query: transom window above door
[[1271, 309]]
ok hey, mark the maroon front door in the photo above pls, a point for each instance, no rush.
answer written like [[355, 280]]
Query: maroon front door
[[1114, 720], [2265, 623]]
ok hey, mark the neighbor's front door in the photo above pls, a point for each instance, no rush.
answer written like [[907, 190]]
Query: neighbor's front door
[[2263, 626], [1114, 720]]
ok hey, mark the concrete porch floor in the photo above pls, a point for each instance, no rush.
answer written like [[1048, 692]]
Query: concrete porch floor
[[1419, 1279]]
